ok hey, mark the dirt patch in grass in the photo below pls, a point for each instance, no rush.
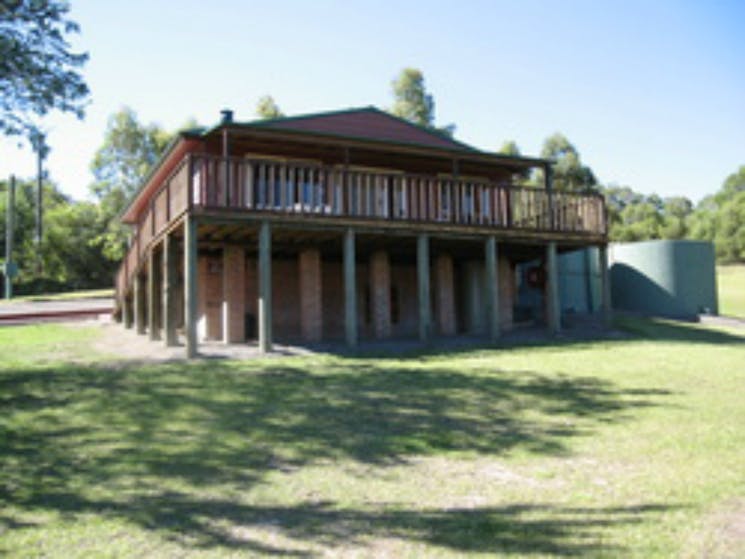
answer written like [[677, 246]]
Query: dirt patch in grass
[[723, 533]]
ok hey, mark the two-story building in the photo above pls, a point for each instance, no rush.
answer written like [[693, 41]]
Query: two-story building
[[341, 225]]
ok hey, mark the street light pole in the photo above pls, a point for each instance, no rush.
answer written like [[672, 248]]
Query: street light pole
[[9, 226]]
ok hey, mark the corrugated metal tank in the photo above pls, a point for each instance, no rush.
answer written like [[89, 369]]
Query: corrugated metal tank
[[674, 279]]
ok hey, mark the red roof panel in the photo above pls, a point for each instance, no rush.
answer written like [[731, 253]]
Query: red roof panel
[[368, 123]]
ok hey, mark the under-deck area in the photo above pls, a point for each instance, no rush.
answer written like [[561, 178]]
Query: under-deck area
[[256, 280]]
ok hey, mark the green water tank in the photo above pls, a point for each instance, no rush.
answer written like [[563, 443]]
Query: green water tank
[[675, 279]]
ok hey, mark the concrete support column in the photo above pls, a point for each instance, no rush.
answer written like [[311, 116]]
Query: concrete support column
[[553, 307], [606, 308], [492, 288], [350, 289], [153, 296], [380, 293], [265, 287], [422, 268], [445, 294], [140, 302], [168, 300], [311, 296], [233, 295], [190, 286]]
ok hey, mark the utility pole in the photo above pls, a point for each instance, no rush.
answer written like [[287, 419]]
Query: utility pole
[[10, 267], [38, 142]]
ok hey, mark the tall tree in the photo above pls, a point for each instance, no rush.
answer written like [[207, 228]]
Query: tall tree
[[266, 108], [38, 71], [569, 172], [120, 165], [68, 252], [412, 102], [509, 148], [721, 218]]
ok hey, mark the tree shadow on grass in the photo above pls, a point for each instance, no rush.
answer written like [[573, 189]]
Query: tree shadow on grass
[[161, 446]]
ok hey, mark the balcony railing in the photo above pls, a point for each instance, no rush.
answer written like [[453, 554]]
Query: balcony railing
[[309, 191]]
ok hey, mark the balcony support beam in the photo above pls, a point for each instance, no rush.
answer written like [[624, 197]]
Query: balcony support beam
[[169, 290], [153, 296], [190, 286], [553, 306], [422, 260], [265, 287], [350, 289], [492, 288]]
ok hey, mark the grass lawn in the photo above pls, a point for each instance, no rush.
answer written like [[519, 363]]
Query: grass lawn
[[626, 448], [731, 286]]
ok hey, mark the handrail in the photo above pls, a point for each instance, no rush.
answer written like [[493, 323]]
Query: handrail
[[314, 190]]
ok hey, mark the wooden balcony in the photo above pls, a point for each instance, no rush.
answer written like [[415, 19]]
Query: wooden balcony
[[303, 192]]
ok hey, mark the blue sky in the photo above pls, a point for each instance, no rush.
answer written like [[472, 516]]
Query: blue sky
[[651, 93]]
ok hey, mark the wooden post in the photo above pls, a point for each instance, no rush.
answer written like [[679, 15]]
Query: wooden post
[[265, 287], [153, 298], [422, 254], [169, 290], [492, 287], [549, 178], [127, 317], [139, 304], [606, 307], [553, 307], [190, 286], [350, 289]]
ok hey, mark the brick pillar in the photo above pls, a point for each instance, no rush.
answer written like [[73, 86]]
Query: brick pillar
[[311, 301], [233, 295], [380, 293], [445, 295]]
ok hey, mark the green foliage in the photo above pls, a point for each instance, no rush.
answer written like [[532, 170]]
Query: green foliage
[[720, 218], [637, 217], [509, 148], [412, 102], [569, 172], [38, 73], [129, 151], [68, 253], [267, 109]]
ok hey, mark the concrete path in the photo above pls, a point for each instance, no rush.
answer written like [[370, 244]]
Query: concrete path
[[26, 312]]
